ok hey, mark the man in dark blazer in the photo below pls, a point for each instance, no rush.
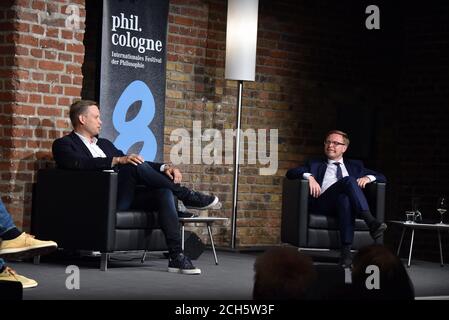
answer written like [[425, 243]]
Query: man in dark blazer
[[83, 150], [335, 186]]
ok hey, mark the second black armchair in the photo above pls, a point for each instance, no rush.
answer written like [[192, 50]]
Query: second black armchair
[[306, 229]]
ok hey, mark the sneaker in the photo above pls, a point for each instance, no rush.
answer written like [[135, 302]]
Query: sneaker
[[201, 201], [377, 229], [182, 264], [10, 275], [26, 245]]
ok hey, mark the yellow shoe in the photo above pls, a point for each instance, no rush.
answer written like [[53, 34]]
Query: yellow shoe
[[26, 244], [10, 275]]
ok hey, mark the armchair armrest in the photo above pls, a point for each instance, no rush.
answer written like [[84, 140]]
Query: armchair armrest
[[375, 194], [77, 209], [295, 217]]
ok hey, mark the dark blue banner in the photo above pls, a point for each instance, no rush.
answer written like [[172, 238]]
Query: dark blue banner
[[132, 85]]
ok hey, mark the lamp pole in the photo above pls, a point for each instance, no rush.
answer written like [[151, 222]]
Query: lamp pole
[[241, 43], [235, 189]]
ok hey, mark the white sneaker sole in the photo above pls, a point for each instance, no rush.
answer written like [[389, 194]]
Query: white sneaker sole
[[28, 286], [189, 271], [214, 205]]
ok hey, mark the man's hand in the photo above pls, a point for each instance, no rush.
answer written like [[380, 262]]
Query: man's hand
[[363, 181], [173, 173], [314, 187], [134, 159]]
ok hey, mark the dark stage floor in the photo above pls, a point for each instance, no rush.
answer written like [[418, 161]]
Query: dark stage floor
[[232, 279]]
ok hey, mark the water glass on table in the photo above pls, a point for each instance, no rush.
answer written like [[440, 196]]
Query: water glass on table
[[442, 207], [409, 216]]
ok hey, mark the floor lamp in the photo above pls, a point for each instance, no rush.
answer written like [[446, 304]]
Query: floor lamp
[[241, 41]]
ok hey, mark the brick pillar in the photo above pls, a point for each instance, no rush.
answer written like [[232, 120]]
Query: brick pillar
[[40, 75]]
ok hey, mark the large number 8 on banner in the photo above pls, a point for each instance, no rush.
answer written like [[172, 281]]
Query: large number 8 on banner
[[136, 130]]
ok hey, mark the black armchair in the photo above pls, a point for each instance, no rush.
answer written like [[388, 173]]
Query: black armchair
[[77, 209], [306, 229]]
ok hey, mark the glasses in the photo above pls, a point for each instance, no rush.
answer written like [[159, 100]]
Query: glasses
[[334, 143]]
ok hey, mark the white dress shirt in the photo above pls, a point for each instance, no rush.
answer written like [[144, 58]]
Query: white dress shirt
[[330, 177], [94, 149]]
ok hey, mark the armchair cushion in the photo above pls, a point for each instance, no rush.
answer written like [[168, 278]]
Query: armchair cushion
[[136, 220]]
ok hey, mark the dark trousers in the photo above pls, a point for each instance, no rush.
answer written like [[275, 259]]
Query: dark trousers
[[346, 200], [160, 197]]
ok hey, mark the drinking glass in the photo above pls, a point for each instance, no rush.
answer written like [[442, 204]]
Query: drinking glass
[[442, 206], [409, 217], [416, 203]]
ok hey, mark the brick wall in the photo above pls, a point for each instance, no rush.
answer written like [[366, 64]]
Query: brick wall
[[40, 74]]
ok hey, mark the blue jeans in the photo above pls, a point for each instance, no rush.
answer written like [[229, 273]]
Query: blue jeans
[[163, 201], [160, 196], [129, 176], [6, 224]]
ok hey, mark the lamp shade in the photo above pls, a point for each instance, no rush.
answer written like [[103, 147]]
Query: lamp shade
[[241, 40]]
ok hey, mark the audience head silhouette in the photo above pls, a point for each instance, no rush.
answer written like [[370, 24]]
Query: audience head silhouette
[[282, 273], [393, 281]]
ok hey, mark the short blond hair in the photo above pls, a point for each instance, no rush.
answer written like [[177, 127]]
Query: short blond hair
[[343, 134]]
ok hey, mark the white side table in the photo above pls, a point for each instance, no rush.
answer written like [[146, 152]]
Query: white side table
[[414, 226], [209, 221]]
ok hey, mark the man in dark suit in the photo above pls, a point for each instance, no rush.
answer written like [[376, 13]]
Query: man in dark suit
[[336, 188], [83, 150]]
